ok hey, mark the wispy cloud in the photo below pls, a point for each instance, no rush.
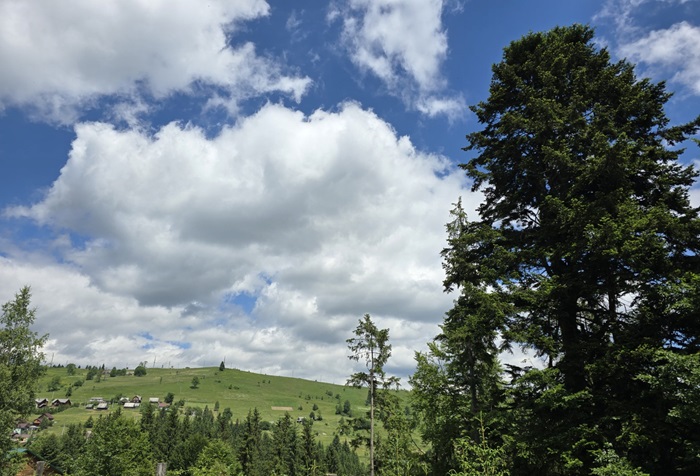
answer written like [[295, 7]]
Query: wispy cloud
[[669, 52], [404, 44], [675, 51]]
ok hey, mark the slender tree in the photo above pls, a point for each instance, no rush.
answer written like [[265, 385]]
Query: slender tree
[[371, 346]]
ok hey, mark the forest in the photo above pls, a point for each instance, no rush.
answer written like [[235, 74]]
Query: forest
[[584, 252]]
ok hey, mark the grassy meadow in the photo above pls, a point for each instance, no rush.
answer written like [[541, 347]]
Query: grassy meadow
[[241, 391]]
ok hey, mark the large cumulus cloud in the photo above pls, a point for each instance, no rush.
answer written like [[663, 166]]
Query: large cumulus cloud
[[315, 220]]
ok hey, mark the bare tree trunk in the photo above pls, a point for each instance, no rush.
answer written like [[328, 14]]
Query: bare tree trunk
[[40, 468], [161, 468]]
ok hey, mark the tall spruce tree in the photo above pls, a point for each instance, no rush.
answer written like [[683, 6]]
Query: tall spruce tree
[[585, 251]]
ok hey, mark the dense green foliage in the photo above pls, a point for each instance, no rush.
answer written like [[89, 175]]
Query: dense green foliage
[[585, 251], [194, 442], [20, 368]]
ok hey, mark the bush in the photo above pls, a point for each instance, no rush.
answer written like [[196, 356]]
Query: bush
[[55, 384], [140, 371]]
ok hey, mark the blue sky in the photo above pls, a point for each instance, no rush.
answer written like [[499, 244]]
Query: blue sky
[[189, 182]]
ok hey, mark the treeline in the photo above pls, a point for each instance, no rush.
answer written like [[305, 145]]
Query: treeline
[[193, 442]]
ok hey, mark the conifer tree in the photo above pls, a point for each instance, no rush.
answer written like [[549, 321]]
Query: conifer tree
[[585, 250]]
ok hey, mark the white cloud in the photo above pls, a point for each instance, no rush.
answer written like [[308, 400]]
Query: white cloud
[[319, 218], [624, 12], [404, 44], [675, 50], [668, 52], [59, 56], [431, 106]]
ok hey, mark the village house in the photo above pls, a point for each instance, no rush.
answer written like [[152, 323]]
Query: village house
[[41, 402], [42, 417], [22, 431], [60, 402]]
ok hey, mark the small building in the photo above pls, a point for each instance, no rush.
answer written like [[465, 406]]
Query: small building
[[41, 402], [102, 406], [131, 405], [60, 402], [136, 399], [155, 400], [22, 427], [42, 417]]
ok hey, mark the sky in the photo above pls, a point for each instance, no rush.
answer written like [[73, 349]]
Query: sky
[[189, 182]]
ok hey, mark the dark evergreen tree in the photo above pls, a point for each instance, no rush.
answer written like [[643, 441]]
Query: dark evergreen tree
[[165, 434], [285, 454], [188, 448], [204, 423], [253, 452], [224, 428], [585, 251], [147, 417], [310, 461], [340, 459]]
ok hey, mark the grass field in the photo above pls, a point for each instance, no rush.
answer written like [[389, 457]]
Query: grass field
[[238, 390]]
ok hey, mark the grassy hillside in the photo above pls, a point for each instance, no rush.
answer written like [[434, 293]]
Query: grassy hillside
[[238, 390]]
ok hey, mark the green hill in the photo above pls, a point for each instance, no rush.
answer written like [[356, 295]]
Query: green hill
[[238, 390]]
